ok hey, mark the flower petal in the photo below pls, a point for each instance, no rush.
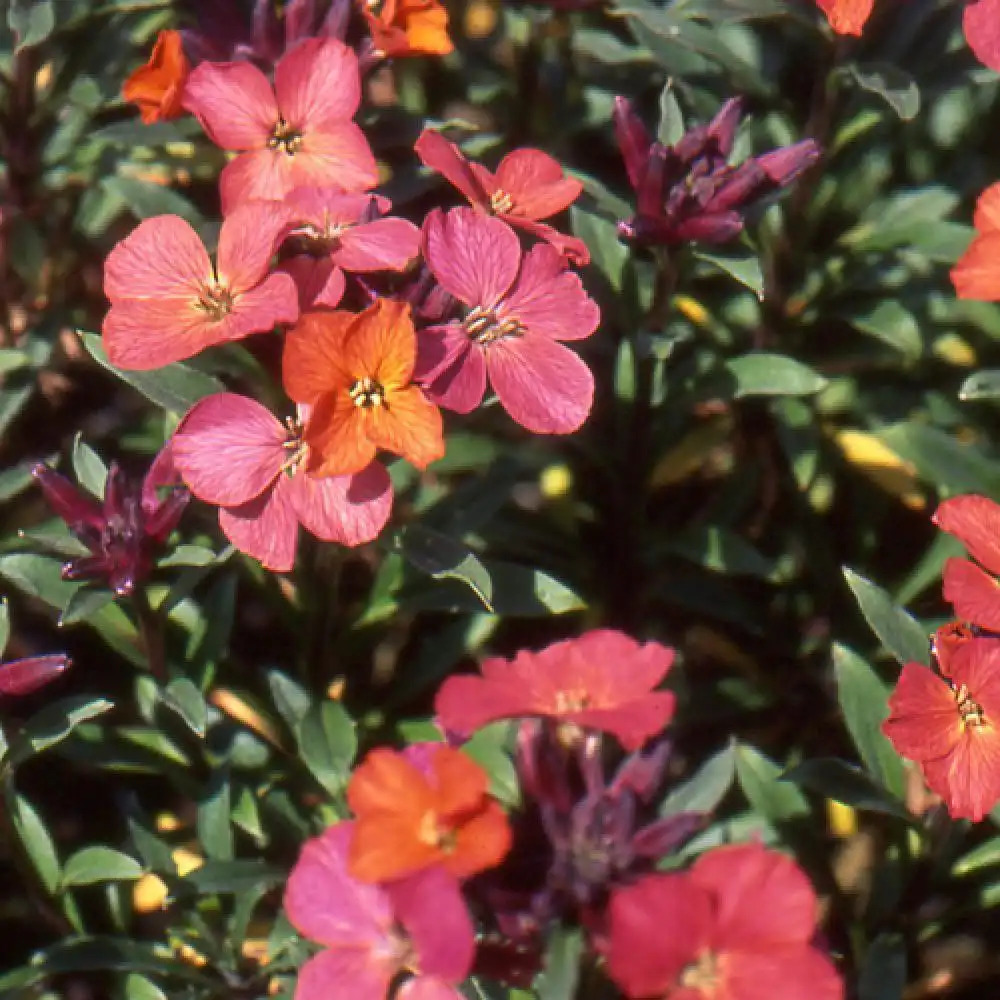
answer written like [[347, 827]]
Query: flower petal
[[456, 377], [633, 141], [337, 435], [318, 83], [987, 217], [796, 972], [360, 975], [382, 245], [573, 251], [923, 720], [339, 154], [234, 103], [350, 510], [264, 174], [481, 842], [265, 528], [410, 426], [544, 386], [312, 364], [974, 594], [847, 17], [981, 23], [975, 522], [977, 273], [968, 778], [448, 160], [536, 183], [428, 988], [141, 334], [248, 239], [162, 258], [382, 343]]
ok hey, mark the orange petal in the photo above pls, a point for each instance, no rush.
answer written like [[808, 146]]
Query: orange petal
[[408, 425], [337, 433], [461, 783], [481, 843], [158, 86], [387, 847], [987, 217], [312, 365], [977, 274], [382, 344], [846, 17]]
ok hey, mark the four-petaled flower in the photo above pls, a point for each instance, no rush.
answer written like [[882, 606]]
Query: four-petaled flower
[[528, 186], [124, 530], [233, 453], [355, 372], [372, 933], [157, 87], [519, 308], [168, 302], [408, 27], [737, 926], [602, 680], [950, 725], [425, 806], [297, 133], [689, 191]]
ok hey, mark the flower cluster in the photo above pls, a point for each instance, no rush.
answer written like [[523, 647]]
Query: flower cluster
[[373, 346]]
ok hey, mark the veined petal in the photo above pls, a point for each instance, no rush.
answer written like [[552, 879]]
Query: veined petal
[[162, 258], [549, 300], [456, 375], [382, 343], [473, 256], [975, 522], [259, 174], [336, 433], [248, 239], [977, 273], [464, 704], [265, 528], [444, 157], [350, 510], [923, 718], [275, 300], [633, 722], [410, 426], [339, 154], [536, 183], [141, 334], [544, 386], [573, 250], [234, 103], [968, 778], [381, 245], [318, 83], [319, 281], [792, 972], [312, 364], [360, 974], [229, 449], [974, 594]]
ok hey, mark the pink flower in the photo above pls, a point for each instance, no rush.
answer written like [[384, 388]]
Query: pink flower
[[528, 186], [232, 452], [602, 680], [341, 232], [975, 521], [168, 302], [981, 23], [738, 926], [299, 132], [372, 932], [519, 310]]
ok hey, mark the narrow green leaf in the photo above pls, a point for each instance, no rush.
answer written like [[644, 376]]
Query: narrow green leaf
[[4, 625], [90, 865], [706, 788], [444, 558], [560, 976], [981, 385], [35, 837], [53, 724], [899, 633], [182, 697], [91, 472], [843, 782], [760, 779], [895, 86], [31, 21], [764, 374], [745, 269], [328, 741], [291, 700], [215, 833]]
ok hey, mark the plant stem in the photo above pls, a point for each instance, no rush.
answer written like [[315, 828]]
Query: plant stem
[[151, 630]]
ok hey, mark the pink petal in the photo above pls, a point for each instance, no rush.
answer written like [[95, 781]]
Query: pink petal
[[325, 904], [382, 245], [536, 183], [318, 84], [795, 972], [318, 280], [234, 103], [248, 240], [447, 159], [968, 778], [544, 386], [549, 300], [162, 258], [431, 909], [474, 256], [633, 141], [464, 704], [339, 154], [359, 975], [975, 522], [451, 368], [20, 677], [229, 449], [632, 723], [259, 174], [350, 510], [428, 988], [974, 594], [141, 334], [923, 720], [572, 250], [265, 528], [981, 23], [275, 301]]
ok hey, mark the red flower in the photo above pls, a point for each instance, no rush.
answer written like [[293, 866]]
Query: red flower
[[528, 186], [847, 17], [602, 680], [949, 726], [157, 87], [981, 22], [977, 273], [738, 926], [975, 521]]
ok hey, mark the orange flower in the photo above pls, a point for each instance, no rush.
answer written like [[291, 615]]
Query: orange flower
[[158, 86], [409, 27], [355, 372], [977, 273], [425, 806], [846, 17]]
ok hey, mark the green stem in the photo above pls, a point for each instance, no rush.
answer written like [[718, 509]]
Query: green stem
[[151, 630]]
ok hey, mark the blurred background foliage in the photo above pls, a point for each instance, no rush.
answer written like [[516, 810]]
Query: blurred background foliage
[[798, 405]]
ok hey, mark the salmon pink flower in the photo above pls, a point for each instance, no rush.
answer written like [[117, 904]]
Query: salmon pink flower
[[975, 521], [976, 275], [528, 186], [427, 806], [157, 87], [373, 933], [340, 232], [168, 302], [298, 133], [737, 926], [847, 17], [233, 453], [981, 23], [408, 27], [951, 726], [602, 680], [355, 371]]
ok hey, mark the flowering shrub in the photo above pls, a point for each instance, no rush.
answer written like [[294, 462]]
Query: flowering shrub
[[609, 353]]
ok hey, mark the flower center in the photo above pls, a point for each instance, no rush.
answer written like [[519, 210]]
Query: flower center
[[483, 326], [216, 300], [501, 201], [367, 393], [295, 448], [702, 975], [431, 832], [572, 701], [283, 136], [971, 712]]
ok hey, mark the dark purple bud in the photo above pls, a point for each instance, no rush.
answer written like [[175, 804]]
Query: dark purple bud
[[649, 194], [783, 166], [722, 128], [162, 521], [742, 185], [79, 510], [20, 677], [642, 773], [298, 16], [664, 836], [542, 768], [633, 140], [719, 228]]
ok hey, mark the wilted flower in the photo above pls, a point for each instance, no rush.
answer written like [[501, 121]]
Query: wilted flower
[[408, 27], [157, 87], [602, 680], [233, 453], [355, 372], [299, 132], [689, 191], [528, 186], [427, 806], [519, 308], [737, 926], [951, 726], [373, 933], [847, 17], [22, 677], [124, 530], [168, 301], [975, 521]]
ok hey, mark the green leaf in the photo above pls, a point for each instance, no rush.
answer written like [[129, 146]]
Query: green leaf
[[176, 387], [899, 633], [985, 855], [671, 126], [745, 269], [488, 748], [31, 21], [607, 252], [895, 86], [883, 971], [291, 700], [38, 576], [147, 199], [558, 980], [444, 558], [981, 385], [837, 779], [182, 697], [719, 550], [328, 741], [760, 779], [706, 788], [233, 876], [83, 604], [52, 725], [138, 987], [35, 838], [892, 324], [950, 465], [215, 833], [90, 865], [91, 472], [864, 701], [764, 374], [4, 625]]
